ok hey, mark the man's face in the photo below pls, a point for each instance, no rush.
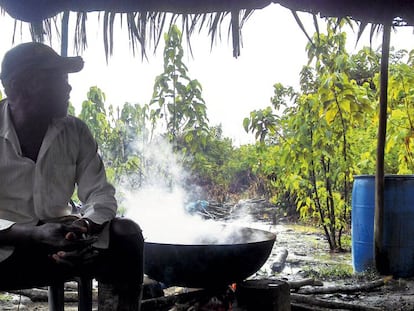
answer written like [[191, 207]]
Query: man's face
[[49, 92]]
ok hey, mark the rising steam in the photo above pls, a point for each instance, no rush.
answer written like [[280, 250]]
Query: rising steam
[[158, 206]]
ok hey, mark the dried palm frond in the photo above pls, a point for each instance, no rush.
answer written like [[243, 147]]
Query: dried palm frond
[[301, 26], [80, 39], [145, 29], [374, 29]]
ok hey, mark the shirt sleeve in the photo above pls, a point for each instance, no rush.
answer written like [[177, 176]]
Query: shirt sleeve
[[96, 194], [5, 224]]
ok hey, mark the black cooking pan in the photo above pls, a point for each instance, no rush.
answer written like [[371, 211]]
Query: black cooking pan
[[207, 265]]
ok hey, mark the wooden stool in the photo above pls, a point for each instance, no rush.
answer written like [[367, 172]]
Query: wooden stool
[[56, 299]]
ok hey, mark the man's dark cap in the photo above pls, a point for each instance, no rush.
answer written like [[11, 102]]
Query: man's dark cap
[[36, 56]]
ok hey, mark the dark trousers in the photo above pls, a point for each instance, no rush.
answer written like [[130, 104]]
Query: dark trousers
[[121, 264]]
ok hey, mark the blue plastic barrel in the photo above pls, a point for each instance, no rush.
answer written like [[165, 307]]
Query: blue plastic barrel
[[398, 228]]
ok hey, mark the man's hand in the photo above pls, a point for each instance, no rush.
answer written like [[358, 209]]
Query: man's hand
[[76, 257], [68, 242], [80, 225], [62, 237], [91, 227]]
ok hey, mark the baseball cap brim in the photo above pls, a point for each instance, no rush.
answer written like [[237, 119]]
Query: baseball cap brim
[[64, 64]]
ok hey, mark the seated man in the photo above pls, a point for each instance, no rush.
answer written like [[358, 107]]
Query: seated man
[[44, 154]]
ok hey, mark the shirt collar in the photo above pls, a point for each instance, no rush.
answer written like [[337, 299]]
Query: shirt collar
[[8, 131]]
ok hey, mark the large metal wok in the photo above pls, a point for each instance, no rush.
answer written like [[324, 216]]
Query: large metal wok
[[208, 265]]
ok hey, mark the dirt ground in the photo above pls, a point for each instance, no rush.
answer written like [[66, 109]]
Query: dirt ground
[[308, 257]]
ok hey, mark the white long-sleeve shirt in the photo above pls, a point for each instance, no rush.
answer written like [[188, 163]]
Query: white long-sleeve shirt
[[32, 191]]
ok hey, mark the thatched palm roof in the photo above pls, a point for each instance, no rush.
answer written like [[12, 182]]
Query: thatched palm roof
[[146, 19], [375, 11]]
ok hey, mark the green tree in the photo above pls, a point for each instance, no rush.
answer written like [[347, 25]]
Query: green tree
[[209, 166], [117, 133], [317, 153], [128, 135], [400, 132], [71, 110], [93, 112], [177, 98]]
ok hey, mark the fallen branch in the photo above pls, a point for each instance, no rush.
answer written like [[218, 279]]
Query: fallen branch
[[309, 300], [295, 285], [343, 288], [279, 262], [167, 302], [41, 295], [304, 307]]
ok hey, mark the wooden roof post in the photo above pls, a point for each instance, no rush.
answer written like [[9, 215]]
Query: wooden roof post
[[379, 256], [65, 34]]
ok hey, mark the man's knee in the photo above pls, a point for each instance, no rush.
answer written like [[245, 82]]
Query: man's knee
[[124, 230], [125, 226], [122, 263]]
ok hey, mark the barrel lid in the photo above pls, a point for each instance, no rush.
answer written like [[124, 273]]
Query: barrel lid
[[388, 176]]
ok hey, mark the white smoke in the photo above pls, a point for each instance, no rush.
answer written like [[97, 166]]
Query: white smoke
[[158, 206]]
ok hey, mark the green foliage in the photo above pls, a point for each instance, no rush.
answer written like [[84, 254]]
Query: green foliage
[[314, 156], [124, 134], [311, 142], [94, 114], [401, 115], [334, 271], [117, 133], [4, 296], [326, 134], [210, 167], [71, 110], [265, 122], [177, 98], [177, 111]]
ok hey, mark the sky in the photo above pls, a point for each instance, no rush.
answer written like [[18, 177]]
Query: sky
[[273, 51]]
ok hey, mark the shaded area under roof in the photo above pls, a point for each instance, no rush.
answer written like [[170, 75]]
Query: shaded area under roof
[[385, 12]]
